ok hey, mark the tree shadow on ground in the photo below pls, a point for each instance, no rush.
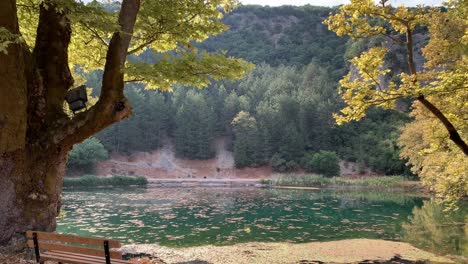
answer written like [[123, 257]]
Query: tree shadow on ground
[[394, 260], [197, 261]]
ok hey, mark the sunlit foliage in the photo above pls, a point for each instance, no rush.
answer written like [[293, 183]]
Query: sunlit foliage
[[365, 85], [432, 155], [425, 141], [166, 27], [442, 80]]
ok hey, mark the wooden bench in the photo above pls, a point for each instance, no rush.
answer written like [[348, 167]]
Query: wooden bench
[[73, 249]]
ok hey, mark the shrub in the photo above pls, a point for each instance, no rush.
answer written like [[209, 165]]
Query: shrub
[[83, 156], [279, 164], [311, 180], [292, 165], [323, 162]]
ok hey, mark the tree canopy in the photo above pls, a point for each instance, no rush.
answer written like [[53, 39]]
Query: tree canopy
[[443, 72], [435, 143], [162, 27]]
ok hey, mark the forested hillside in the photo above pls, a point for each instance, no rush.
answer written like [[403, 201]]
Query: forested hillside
[[279, 114]]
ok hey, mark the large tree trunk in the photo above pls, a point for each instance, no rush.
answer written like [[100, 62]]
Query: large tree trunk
[[33, 87], [31, 184], [35, 133]]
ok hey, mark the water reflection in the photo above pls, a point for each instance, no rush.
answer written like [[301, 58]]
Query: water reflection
[[432, 229], [220, 216]]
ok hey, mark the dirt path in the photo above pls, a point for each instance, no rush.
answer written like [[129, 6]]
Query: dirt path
[[343, 251]]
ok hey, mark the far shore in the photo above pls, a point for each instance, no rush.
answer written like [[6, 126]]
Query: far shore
[[289, 181], [403, 186]]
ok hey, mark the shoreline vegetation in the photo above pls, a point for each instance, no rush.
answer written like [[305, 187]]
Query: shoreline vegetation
[[102, 181], [281, 181], [318, 181]]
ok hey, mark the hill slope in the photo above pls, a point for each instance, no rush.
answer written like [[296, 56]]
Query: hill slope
[[287, 101]]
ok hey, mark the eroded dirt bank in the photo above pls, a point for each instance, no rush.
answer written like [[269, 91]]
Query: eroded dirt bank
[[343, 251], [163, 163]]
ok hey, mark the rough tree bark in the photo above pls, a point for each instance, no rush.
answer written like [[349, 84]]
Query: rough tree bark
[[35, 133]]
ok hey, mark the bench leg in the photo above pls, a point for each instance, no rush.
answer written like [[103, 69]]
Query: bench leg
[[36, 249], [106, 252]]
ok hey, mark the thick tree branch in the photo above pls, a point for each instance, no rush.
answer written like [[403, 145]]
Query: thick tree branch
[[13, 88], [409, 49], [112, 105], [453, 133], [8, 18], [51, 74]]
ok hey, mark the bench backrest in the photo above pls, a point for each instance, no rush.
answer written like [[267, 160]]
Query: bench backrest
[[73, 244]]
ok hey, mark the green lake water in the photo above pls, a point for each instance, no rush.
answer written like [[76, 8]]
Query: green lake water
[[182, 217]]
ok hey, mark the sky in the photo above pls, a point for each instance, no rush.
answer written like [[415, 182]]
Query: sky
[[334, 2]]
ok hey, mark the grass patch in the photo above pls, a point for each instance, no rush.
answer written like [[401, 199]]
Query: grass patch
[[93, 181], [311, 180]]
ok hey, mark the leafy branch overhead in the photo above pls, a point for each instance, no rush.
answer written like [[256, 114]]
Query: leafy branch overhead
[[188, 68], [435, 142], [161, 26], [444, 71]]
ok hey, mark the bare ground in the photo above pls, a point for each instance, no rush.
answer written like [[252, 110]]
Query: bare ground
[[343, 251]]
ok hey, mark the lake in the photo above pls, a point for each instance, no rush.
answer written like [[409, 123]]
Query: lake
[[183, 217]]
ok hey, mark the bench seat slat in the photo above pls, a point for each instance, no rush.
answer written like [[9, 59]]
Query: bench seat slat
[[61, 254], [73, 239], [74, 249], [71, 260], [54, 252]]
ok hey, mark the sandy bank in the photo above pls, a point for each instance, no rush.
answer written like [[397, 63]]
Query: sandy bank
[[343, 251]]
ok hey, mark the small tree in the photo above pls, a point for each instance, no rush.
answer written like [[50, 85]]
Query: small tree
[[84, 156], [246, 140], [323, 162], [195, 128]]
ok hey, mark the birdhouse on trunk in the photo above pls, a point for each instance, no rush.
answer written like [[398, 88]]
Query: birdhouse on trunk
[[77, 98]]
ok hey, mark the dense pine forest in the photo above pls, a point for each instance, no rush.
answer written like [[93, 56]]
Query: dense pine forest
[[279, 114]]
